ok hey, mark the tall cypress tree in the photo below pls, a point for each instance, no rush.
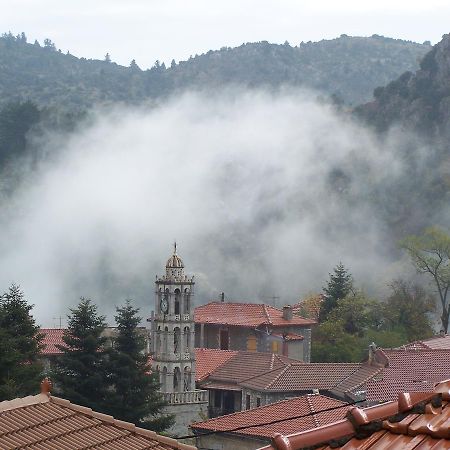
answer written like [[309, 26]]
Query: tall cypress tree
[[81, 371], [338, 286], [134, 397], [20, 345]]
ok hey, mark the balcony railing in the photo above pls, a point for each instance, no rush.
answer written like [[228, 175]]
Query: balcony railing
[[176, 398]]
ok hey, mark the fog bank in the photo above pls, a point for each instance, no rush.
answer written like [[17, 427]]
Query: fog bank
[[264, 193]]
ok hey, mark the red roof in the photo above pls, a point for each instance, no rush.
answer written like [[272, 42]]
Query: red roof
[[415, 421], [442, 342], [207, 360], [245, 365], [52, 337], [408, 370], [298, 406], [45, 422], [342, 377], [245, 315]]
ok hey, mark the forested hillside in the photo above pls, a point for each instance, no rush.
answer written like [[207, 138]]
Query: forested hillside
[[348, 68], [420, 100]]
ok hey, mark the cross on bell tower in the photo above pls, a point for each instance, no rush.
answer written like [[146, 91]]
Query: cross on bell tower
[[173, 328]]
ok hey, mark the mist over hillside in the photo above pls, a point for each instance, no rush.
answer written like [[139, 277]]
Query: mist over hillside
[[348, 68], [265, 190], [265, 194]]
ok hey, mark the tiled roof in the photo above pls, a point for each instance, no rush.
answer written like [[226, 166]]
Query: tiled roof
[[341, 377], [43, 422], [415, 421], [288, 336], [245, 314], [244, 365], [309, 306], [408, 370], [207, 360], [52, 337], [298, 406], [442, 342]]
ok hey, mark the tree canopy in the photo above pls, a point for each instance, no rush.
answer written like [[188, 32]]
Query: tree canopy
[[430, 254], [81, 371], [20, 344], [337, 288], [134, 396]]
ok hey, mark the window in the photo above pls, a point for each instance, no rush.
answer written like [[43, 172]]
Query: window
[[247, 401], [177, 301], [176, 340], [258, 401], [275, 347], [224, 339], [187, 339], [251, 343], [187, 306], [176, 379]]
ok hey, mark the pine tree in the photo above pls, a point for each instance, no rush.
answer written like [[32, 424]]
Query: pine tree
[[134, 397], [81, 372], [339, 285], [20, 345]]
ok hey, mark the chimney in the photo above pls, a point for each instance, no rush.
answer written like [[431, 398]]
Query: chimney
[[46, 386], [222, 297], [287, 312], [372, 350]]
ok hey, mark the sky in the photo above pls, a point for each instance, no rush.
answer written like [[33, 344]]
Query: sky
[[150, 30]]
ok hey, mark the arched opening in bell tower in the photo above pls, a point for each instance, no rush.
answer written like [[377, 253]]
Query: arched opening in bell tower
[[176, 340], [177, 301], [187, 339], [187, 299], [176, 379]]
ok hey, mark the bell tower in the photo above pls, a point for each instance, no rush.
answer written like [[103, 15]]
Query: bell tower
[[173, 330]]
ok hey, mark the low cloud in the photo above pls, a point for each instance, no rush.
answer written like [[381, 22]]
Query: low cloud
[[264, 193]]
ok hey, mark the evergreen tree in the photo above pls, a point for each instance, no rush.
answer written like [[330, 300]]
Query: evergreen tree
[[135, 397], [81, 372], [107, 58], [20, 344], [337, 288]]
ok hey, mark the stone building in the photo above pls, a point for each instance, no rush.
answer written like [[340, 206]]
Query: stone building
[[172, 339], [253, 327]]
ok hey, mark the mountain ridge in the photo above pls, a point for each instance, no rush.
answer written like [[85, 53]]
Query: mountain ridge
[[347, 67]]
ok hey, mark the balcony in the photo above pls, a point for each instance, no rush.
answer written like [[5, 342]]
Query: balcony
[[178, 398]]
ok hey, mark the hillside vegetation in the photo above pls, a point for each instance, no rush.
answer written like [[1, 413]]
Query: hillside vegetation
[[420, 100], [348, 68]]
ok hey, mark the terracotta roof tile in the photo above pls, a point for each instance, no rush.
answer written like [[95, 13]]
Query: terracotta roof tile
[[245, 365], [415, 421], [310, 306], [207, 360], [52, 337], [308, 404], [245, 314], [43, 422], [436, 342], [342, 377], [408, 370]]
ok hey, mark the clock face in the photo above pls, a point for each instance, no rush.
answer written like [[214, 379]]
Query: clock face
[[164, 305]]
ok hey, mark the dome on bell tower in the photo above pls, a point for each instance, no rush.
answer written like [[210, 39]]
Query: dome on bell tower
[[174, 266]]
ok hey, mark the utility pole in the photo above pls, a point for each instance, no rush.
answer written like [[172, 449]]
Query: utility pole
[[60, 318], [273, 298]]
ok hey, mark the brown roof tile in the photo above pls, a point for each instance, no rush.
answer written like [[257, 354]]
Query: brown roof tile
[[44, 422], [299, 406], [436, 342], [207, 360], [245, 314], [245, 365], [415, 421], [341, 377], [52, 338], [408, 370]]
